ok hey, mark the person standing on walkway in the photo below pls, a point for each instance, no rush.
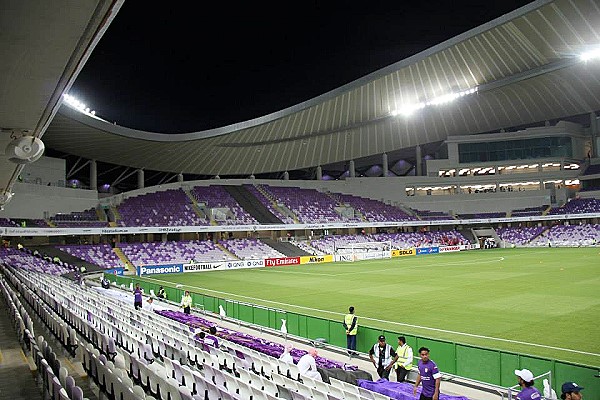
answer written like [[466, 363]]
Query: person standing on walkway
[[405, 359], [385, 355], [429, 375], [351, 326], [137, 297], [186, 302]]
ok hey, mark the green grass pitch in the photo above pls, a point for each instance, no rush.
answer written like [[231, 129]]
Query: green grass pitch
[[543, 302]]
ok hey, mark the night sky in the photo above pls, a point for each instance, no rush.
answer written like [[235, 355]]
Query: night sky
[[173, 68]]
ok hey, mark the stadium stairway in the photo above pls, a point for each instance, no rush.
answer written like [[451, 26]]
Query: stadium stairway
[[52, 252], [285, 248], [251, 205], [224, 250], [468, 234], [129, 267], [17, 380]]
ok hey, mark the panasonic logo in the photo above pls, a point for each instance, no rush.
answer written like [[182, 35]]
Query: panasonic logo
[[173, 269]]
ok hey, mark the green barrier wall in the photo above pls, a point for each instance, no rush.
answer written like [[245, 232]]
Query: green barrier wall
[[487, 365]]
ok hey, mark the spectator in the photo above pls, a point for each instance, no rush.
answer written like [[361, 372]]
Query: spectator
[[308, 366], [429, 375], [211, 339], [405, 359], [286, 357], [386, 357], [161, 293], [186, 302], [351, 326], [137, 297], [528, 392], [150, 304], [571, 391]]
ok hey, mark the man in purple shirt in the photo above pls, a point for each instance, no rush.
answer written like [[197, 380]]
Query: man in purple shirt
[[211, 338], [528, 392], [137, 297], [429, 375]]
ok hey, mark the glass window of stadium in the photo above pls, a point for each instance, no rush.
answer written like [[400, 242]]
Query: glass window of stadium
[[557, 146]]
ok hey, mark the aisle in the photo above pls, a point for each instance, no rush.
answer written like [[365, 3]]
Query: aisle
[[17, 381]]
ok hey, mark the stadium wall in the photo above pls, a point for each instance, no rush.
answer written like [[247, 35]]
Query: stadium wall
[[34, 201], [483, 364]]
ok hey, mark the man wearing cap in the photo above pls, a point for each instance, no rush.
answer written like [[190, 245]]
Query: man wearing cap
[[429, 376], [571, 391], [385, 355], [528, 391]]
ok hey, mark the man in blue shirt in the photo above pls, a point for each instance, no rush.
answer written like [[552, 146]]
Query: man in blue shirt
[[528, 392], [429, 375]]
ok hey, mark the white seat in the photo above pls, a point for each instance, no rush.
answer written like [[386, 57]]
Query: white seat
[[318, 395], [270, 387], [322, 386], [173, 389], [367, 394]]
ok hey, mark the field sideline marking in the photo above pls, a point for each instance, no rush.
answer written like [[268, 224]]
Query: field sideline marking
[[390, 322]]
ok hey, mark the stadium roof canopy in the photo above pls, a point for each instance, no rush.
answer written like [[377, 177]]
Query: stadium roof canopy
[[522, 68], [44, 45]]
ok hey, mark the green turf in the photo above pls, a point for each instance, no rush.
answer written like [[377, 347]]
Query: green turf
[[548, 297]]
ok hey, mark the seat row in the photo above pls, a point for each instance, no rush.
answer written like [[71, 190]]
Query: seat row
[[162, 357]]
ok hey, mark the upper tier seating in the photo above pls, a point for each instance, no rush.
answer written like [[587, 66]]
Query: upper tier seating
[[373, 210], [84, 219], [519, 236], [428, 215], [268, 204], [216, 196], [570, 235], [248, 249], [578, 206], [166, 208], [309, 205], [99, 254], [483, 215], [528, 212], [156, 253]]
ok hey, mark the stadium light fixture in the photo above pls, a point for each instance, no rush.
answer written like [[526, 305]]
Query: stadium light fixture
[[590, 55], [409, 109], [79, 105]]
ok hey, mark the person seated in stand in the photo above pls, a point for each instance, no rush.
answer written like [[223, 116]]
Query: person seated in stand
[[211, 339], [161, 293], [308, 366], [286, 357], [149, 304]]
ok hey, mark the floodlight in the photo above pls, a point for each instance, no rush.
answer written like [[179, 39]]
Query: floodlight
[[590, 55]]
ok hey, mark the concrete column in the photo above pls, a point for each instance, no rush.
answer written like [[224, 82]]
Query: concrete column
[[319, 173], [419, 158], [352, 170], [140, 178], [384, 163], [594, 132], [286, 176], [179, 178], [93, 175]]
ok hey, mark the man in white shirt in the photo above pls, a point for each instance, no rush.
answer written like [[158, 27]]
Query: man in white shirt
[[286, 357], [149, 304], [308, 366]]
